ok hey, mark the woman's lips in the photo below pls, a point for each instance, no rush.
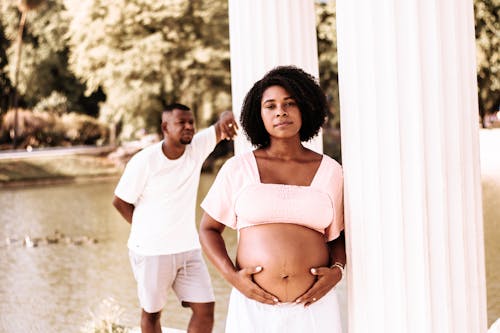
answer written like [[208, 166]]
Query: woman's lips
[[283, 123]]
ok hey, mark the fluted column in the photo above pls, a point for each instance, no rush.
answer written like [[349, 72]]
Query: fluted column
[[410, 152], [265, 34]]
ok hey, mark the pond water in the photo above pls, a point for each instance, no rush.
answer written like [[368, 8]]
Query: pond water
[[53, 287]]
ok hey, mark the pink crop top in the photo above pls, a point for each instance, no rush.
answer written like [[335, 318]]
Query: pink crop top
[[238, 199]]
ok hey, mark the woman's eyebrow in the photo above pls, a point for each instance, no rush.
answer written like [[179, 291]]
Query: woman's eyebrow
[[272, 99]]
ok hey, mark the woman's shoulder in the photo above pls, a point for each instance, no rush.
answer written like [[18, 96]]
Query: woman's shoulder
[[241, 164], [332, 164], [330, 160]]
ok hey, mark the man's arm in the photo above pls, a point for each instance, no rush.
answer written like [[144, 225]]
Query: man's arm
[[124, 208], [226, 126]]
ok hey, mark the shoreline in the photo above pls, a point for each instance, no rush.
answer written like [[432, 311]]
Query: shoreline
[[42, 167], [89, 164], [71, 165], [56, 181]]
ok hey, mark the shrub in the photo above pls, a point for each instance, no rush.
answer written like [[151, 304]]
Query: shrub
[[83, 129], [105, 319], [47, 129], [56, 103]]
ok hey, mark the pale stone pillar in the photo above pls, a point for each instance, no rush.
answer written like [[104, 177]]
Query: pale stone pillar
[[265, 34], [410, 153]]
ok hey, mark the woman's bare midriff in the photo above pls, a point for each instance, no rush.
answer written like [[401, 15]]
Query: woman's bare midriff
[[287, 252]]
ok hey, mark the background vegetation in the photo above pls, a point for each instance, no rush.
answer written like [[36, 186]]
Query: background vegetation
[[114, 64]]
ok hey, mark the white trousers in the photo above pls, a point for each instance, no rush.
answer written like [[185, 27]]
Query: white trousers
[[248, 316]]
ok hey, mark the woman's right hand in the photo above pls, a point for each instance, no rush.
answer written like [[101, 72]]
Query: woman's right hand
[[215, 248], [243, 281]]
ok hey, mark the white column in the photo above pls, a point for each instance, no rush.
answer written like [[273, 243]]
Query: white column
[[410, 153], [265, 34]]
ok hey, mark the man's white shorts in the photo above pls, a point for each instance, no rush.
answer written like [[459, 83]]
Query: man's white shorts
[[185, 272]]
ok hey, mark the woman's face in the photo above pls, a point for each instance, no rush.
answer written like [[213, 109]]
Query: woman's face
[[280, 113]]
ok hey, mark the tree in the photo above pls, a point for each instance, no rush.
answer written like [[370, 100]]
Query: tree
[[44, 66], [138, 55], [328, 74], [5, 84], [146, 53], [487, 14], [327, 52], [24, 6]]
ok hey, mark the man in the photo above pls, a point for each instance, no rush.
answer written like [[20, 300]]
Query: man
[[157, 196]]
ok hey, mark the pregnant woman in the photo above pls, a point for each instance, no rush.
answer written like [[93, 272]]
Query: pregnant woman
[[286, 202]]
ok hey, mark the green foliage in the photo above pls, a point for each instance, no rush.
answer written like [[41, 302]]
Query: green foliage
[[39, 129], [328, 74], [138, 55], [47, 129], [487, 13], [327, 50], [25, 5], [44, 55], [5, 84], [56, 103], [83, 129], [146, 53]]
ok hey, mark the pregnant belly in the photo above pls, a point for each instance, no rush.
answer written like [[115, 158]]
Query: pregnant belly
[[286, 252]]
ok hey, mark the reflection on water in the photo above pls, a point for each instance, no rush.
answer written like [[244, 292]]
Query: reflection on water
[[51, 288]]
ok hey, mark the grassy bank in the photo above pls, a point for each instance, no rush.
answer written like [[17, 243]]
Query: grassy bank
[[55, 169]]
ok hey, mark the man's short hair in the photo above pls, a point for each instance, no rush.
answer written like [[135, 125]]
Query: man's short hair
[[173, 106]]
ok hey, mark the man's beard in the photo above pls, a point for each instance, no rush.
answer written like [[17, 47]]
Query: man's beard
[[186, 141]]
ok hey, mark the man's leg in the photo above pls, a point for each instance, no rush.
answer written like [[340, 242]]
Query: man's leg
[[150, 322], [194, 288], [202, 319], [154, 275]]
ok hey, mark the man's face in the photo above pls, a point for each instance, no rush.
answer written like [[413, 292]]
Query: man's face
[[178, 125]]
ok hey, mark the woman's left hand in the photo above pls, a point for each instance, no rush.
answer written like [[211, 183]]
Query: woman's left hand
[[327, 279]]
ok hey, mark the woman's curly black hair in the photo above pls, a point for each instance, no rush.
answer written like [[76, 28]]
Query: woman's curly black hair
[[302, 87]]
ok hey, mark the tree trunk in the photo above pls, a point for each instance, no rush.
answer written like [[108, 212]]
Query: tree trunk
[[22, 23]]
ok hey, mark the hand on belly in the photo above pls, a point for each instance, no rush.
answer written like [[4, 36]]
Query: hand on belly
[[286, 253], [286, 284]]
